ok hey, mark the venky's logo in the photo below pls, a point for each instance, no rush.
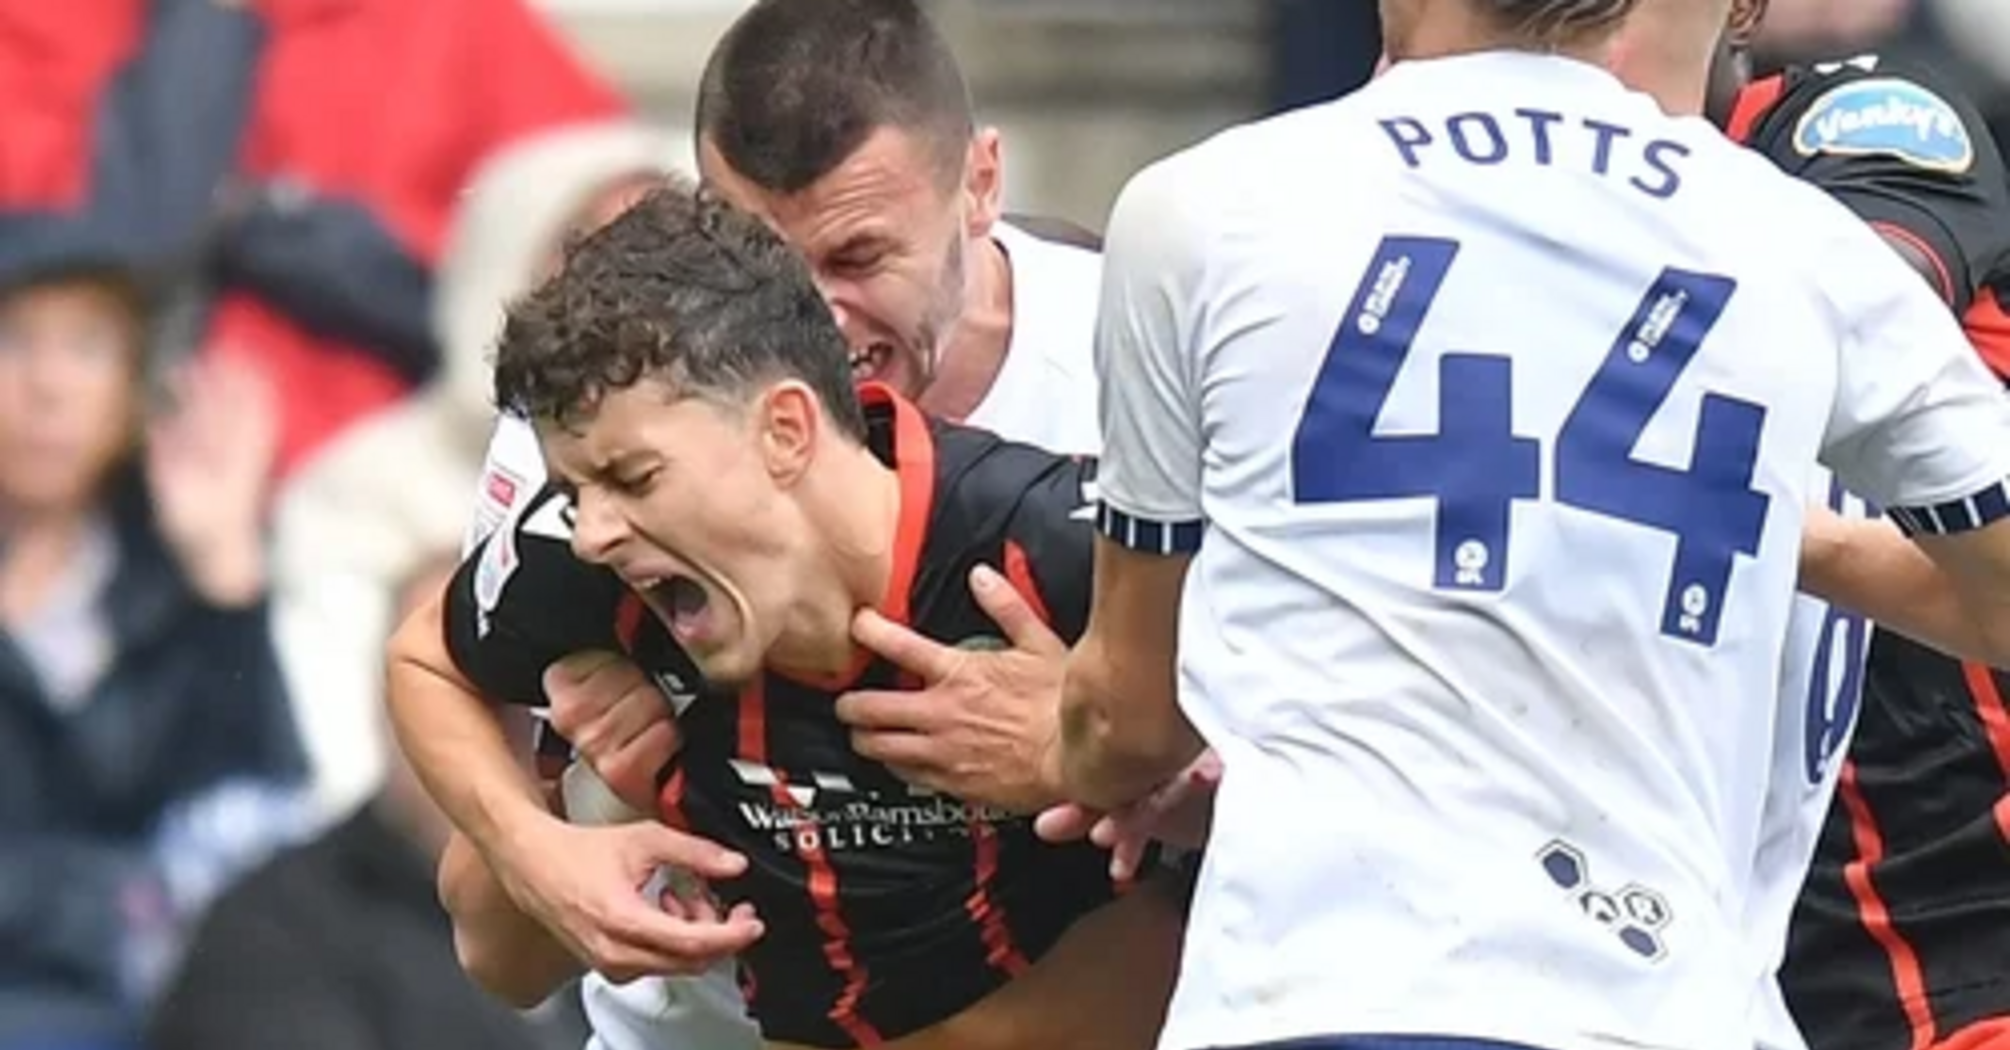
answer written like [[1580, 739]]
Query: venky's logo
[[1883, 116]]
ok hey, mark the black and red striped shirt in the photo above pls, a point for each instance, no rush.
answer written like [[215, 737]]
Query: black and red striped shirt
[[1903, 929], [888, 908]]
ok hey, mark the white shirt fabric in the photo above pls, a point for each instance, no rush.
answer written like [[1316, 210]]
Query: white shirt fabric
[[1489, 398], [1821, 691], [1045, 395]]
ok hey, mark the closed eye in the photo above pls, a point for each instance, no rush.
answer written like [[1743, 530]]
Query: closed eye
[[637, 484]]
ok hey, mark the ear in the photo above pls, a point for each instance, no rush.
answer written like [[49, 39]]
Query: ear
[[1746, 18], [983, 183], [790, 426]]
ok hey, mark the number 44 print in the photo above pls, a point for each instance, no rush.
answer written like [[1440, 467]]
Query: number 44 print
[[1475, 466]]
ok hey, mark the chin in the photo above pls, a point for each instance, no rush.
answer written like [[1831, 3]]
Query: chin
[[729, 666]]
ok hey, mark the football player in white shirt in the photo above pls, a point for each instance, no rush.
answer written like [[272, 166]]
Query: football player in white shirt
[[1486, 629], [981, 318]]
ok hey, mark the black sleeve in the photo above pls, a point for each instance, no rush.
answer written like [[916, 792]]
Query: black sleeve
[[520, 601], [1910, 157], [170, 123], [1053, 531]]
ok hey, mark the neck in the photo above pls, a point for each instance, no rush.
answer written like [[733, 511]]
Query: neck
[[1678, 93], [1455, 29], [978, 342], [852, 504], [1662, 55]]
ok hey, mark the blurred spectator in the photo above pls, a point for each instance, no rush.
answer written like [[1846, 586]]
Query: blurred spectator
[[342, 944], [308, 152], [146, 753], [1980, 29], [1833, 28], [350, 523], [1965, 43]]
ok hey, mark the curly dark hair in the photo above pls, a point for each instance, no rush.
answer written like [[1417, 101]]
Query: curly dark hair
[[682, 288]]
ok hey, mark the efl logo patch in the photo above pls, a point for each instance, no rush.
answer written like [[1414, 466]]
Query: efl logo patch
[[496, 502], [498, 563], [1889, 118]]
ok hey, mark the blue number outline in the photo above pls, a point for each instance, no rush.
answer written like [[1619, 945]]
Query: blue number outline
[[1475, 467], [1831, 715]]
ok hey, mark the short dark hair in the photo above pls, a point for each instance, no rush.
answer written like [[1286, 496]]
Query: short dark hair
[[1552, 21], [680, 287], [796, 86]]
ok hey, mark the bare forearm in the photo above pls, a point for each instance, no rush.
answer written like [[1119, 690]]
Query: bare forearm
[[505, 951], [455, 741], [1108, 760], [1872, 568]]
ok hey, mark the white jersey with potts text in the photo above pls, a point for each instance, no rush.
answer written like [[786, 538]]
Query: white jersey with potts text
[[1487, 401]]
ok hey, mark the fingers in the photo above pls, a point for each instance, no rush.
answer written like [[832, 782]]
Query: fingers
[[1013, 613], [1126, 836], [896, 749], [1067, 822], [617, 718], [907, 650], [573, 671], [644, 941], [632, 770], [660, 846], [882, 710]]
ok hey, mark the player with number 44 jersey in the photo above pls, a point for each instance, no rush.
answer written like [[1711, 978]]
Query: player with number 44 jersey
[[1485, 403]]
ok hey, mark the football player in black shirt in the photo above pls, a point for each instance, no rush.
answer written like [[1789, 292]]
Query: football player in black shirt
[[713, 463], [1904, 923]]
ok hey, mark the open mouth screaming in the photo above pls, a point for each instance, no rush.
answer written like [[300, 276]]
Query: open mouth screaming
[[681, 602]]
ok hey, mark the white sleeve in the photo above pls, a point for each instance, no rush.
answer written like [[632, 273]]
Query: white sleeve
[[1149, 477], [512, 472], [1919, 425]]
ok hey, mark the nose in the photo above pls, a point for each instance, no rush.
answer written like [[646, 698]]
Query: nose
[[838, 297], [598, 528]]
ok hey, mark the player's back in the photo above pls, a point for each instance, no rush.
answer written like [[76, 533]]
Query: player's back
[[1511, 391]]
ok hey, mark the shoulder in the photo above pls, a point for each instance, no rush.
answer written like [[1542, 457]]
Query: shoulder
[[521, 600], [1055, 284], [984, 481], [529, 555], [1026, 512], [512, 471]]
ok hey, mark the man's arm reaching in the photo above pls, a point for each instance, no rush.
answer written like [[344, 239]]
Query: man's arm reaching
[[457, 747], [1913, 588], [1122, 732], [503, 950], [581, 886]]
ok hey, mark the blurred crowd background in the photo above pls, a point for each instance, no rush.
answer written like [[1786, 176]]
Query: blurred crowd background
[[251, 254]]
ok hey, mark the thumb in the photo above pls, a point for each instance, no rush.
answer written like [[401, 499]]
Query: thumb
[[1012, 612], [665, 846], [568, 671]]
